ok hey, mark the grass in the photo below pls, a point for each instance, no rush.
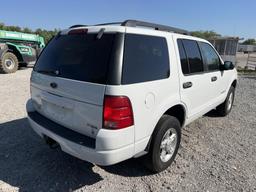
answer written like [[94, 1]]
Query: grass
[[242, 71]]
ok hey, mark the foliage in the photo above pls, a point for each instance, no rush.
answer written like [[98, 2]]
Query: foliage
[[205, 34], [46, 34], [249, 42]]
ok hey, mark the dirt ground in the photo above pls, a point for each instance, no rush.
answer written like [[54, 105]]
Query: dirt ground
[[216, 154]]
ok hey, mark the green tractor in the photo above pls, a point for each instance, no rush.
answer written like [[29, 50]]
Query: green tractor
[[18, 50]]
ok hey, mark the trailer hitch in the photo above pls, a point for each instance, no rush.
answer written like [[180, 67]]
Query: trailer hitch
[[52, 143]]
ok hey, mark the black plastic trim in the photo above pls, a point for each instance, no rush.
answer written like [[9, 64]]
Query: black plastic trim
[[116, 60], [62, 131]]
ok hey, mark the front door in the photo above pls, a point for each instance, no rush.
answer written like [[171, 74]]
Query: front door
[[194, 85]]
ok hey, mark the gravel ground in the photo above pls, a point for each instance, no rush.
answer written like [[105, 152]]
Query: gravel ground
[[241, 59], [216, 154]]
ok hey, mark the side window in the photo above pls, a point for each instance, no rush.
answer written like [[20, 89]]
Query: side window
[[146, 58], [211, 59], [183, 58], [193, 55]]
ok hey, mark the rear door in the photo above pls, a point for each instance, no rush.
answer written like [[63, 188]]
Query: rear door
[[194, 87], [69, 80]]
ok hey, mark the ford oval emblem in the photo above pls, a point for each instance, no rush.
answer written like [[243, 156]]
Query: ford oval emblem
[[53, 85]]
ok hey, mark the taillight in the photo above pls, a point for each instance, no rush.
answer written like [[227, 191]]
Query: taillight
[[117, 112]]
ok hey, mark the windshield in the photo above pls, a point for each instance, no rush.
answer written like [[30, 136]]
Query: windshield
[[80, 57]]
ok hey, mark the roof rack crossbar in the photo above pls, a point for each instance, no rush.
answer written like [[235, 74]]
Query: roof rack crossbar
[[135, 23]]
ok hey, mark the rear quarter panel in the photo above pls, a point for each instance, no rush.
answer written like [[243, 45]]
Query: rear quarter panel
[[150, 99]]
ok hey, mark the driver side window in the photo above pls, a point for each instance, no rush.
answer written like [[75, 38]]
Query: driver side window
[[210, 57]]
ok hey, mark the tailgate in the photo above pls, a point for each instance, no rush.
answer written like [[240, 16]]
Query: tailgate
[[73, 104]]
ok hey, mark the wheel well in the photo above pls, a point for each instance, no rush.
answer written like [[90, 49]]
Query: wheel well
[[177, 111], [13, 50], [234, 83]]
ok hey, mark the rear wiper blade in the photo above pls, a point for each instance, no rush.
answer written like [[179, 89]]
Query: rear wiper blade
[[49, 72]]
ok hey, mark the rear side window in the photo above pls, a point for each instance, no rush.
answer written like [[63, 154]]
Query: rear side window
[[194, 56], [145, 59], [81, 57], [211, 59]]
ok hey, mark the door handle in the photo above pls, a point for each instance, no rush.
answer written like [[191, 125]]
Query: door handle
[[187, 85], [214, 78]]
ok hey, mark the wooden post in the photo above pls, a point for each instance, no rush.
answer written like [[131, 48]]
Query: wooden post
[[247, 64]]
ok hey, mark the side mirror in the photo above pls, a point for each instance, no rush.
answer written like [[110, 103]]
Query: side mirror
[[228, 65]]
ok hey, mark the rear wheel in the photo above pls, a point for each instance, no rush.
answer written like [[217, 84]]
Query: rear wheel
[[225, 108], [164, 145], [9, 63]]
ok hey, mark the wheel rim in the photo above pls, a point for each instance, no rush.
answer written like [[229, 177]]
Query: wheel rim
[[230, 101], [168, 145], [9, 63]]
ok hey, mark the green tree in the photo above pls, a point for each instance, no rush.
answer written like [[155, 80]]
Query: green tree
[[46, 34], [2, 26], [26, 30], [205, 34], [249, 42]]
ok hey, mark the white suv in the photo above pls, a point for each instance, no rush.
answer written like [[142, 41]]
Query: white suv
[[109, 92]]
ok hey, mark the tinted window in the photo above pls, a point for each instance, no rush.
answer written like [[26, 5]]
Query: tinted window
[[145, 59], [81, 57], [211, 59], [194, 56], [183, 58]]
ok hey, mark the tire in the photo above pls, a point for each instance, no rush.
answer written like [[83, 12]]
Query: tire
[[8, 63], [154, 160], [225, 108]]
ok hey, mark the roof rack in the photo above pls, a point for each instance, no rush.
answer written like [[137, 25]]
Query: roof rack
[[74, 26], [114, 23], [136, 23]]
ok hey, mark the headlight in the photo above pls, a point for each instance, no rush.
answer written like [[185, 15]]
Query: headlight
[[23, 49]]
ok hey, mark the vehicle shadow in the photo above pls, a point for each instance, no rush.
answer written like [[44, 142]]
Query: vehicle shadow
[[28, 164], [130, 168], [212, 113]]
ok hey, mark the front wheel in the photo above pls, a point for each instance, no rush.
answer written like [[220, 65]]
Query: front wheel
[[225, 108], [8, 63], [164, 144]]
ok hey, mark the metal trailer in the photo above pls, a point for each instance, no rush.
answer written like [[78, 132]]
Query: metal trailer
[[246, 48], [226, 46], [18, 49]]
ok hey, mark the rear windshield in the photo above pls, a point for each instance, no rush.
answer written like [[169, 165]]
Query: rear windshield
[[80, 57]]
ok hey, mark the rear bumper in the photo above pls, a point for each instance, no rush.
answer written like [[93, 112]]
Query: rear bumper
[[103, 150]]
